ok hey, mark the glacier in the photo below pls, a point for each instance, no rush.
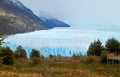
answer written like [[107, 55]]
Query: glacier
[[60, 41]]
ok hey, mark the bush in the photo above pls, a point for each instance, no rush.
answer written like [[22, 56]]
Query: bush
[[76, 55], [90, 60], [51, 55], [36, 61], [104, 57]]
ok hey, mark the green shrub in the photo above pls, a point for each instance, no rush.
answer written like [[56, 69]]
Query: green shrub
[[90, 60], [36, 61], [104, 57]]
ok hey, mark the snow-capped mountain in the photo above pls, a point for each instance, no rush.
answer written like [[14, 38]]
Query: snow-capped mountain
[[21, 19]]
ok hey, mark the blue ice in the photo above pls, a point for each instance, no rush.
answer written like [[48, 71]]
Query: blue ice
[[60, 41]]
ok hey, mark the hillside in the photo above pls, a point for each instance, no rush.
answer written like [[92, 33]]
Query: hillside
[[17, 18]]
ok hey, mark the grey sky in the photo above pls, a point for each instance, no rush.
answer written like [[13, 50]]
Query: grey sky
[[77, 12]]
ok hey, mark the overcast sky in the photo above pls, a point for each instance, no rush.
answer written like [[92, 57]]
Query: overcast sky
[[77, 12]]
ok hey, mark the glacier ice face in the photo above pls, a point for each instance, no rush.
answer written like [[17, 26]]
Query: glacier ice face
[[60, 51], [59, 41]]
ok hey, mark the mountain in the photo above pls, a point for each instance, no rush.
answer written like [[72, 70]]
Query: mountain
[[16, 18], [50, 21]]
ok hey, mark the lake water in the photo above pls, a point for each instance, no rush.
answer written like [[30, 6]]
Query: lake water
[[62, 41]]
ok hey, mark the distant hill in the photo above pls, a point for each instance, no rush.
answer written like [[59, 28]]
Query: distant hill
[[16, 18]]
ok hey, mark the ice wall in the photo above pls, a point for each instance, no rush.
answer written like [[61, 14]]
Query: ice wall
[[59, 41]]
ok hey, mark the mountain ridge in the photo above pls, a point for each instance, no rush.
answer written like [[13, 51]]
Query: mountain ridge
[[22, 18]]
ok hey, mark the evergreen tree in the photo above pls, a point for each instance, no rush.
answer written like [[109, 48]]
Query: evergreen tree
[[1, 39], [20, 52], [0, 50], [95, 48], [34, 53], [0, 44], [112, 45], [7, 56]]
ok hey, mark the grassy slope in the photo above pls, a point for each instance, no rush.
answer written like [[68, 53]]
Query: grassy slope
[[60, 69]]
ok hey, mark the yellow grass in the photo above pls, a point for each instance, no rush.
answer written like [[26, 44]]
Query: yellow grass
[[60, 69], [18, 74]]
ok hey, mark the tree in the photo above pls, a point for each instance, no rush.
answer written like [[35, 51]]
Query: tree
[[0, 44], [20, 52], [1, 39], [7, 56], [34, 53], [95, 48], [104, 56], [0, 48], [112, 45]]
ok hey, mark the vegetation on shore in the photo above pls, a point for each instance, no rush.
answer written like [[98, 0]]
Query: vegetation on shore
[[85, 68], [16, 64], [96, 48]]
